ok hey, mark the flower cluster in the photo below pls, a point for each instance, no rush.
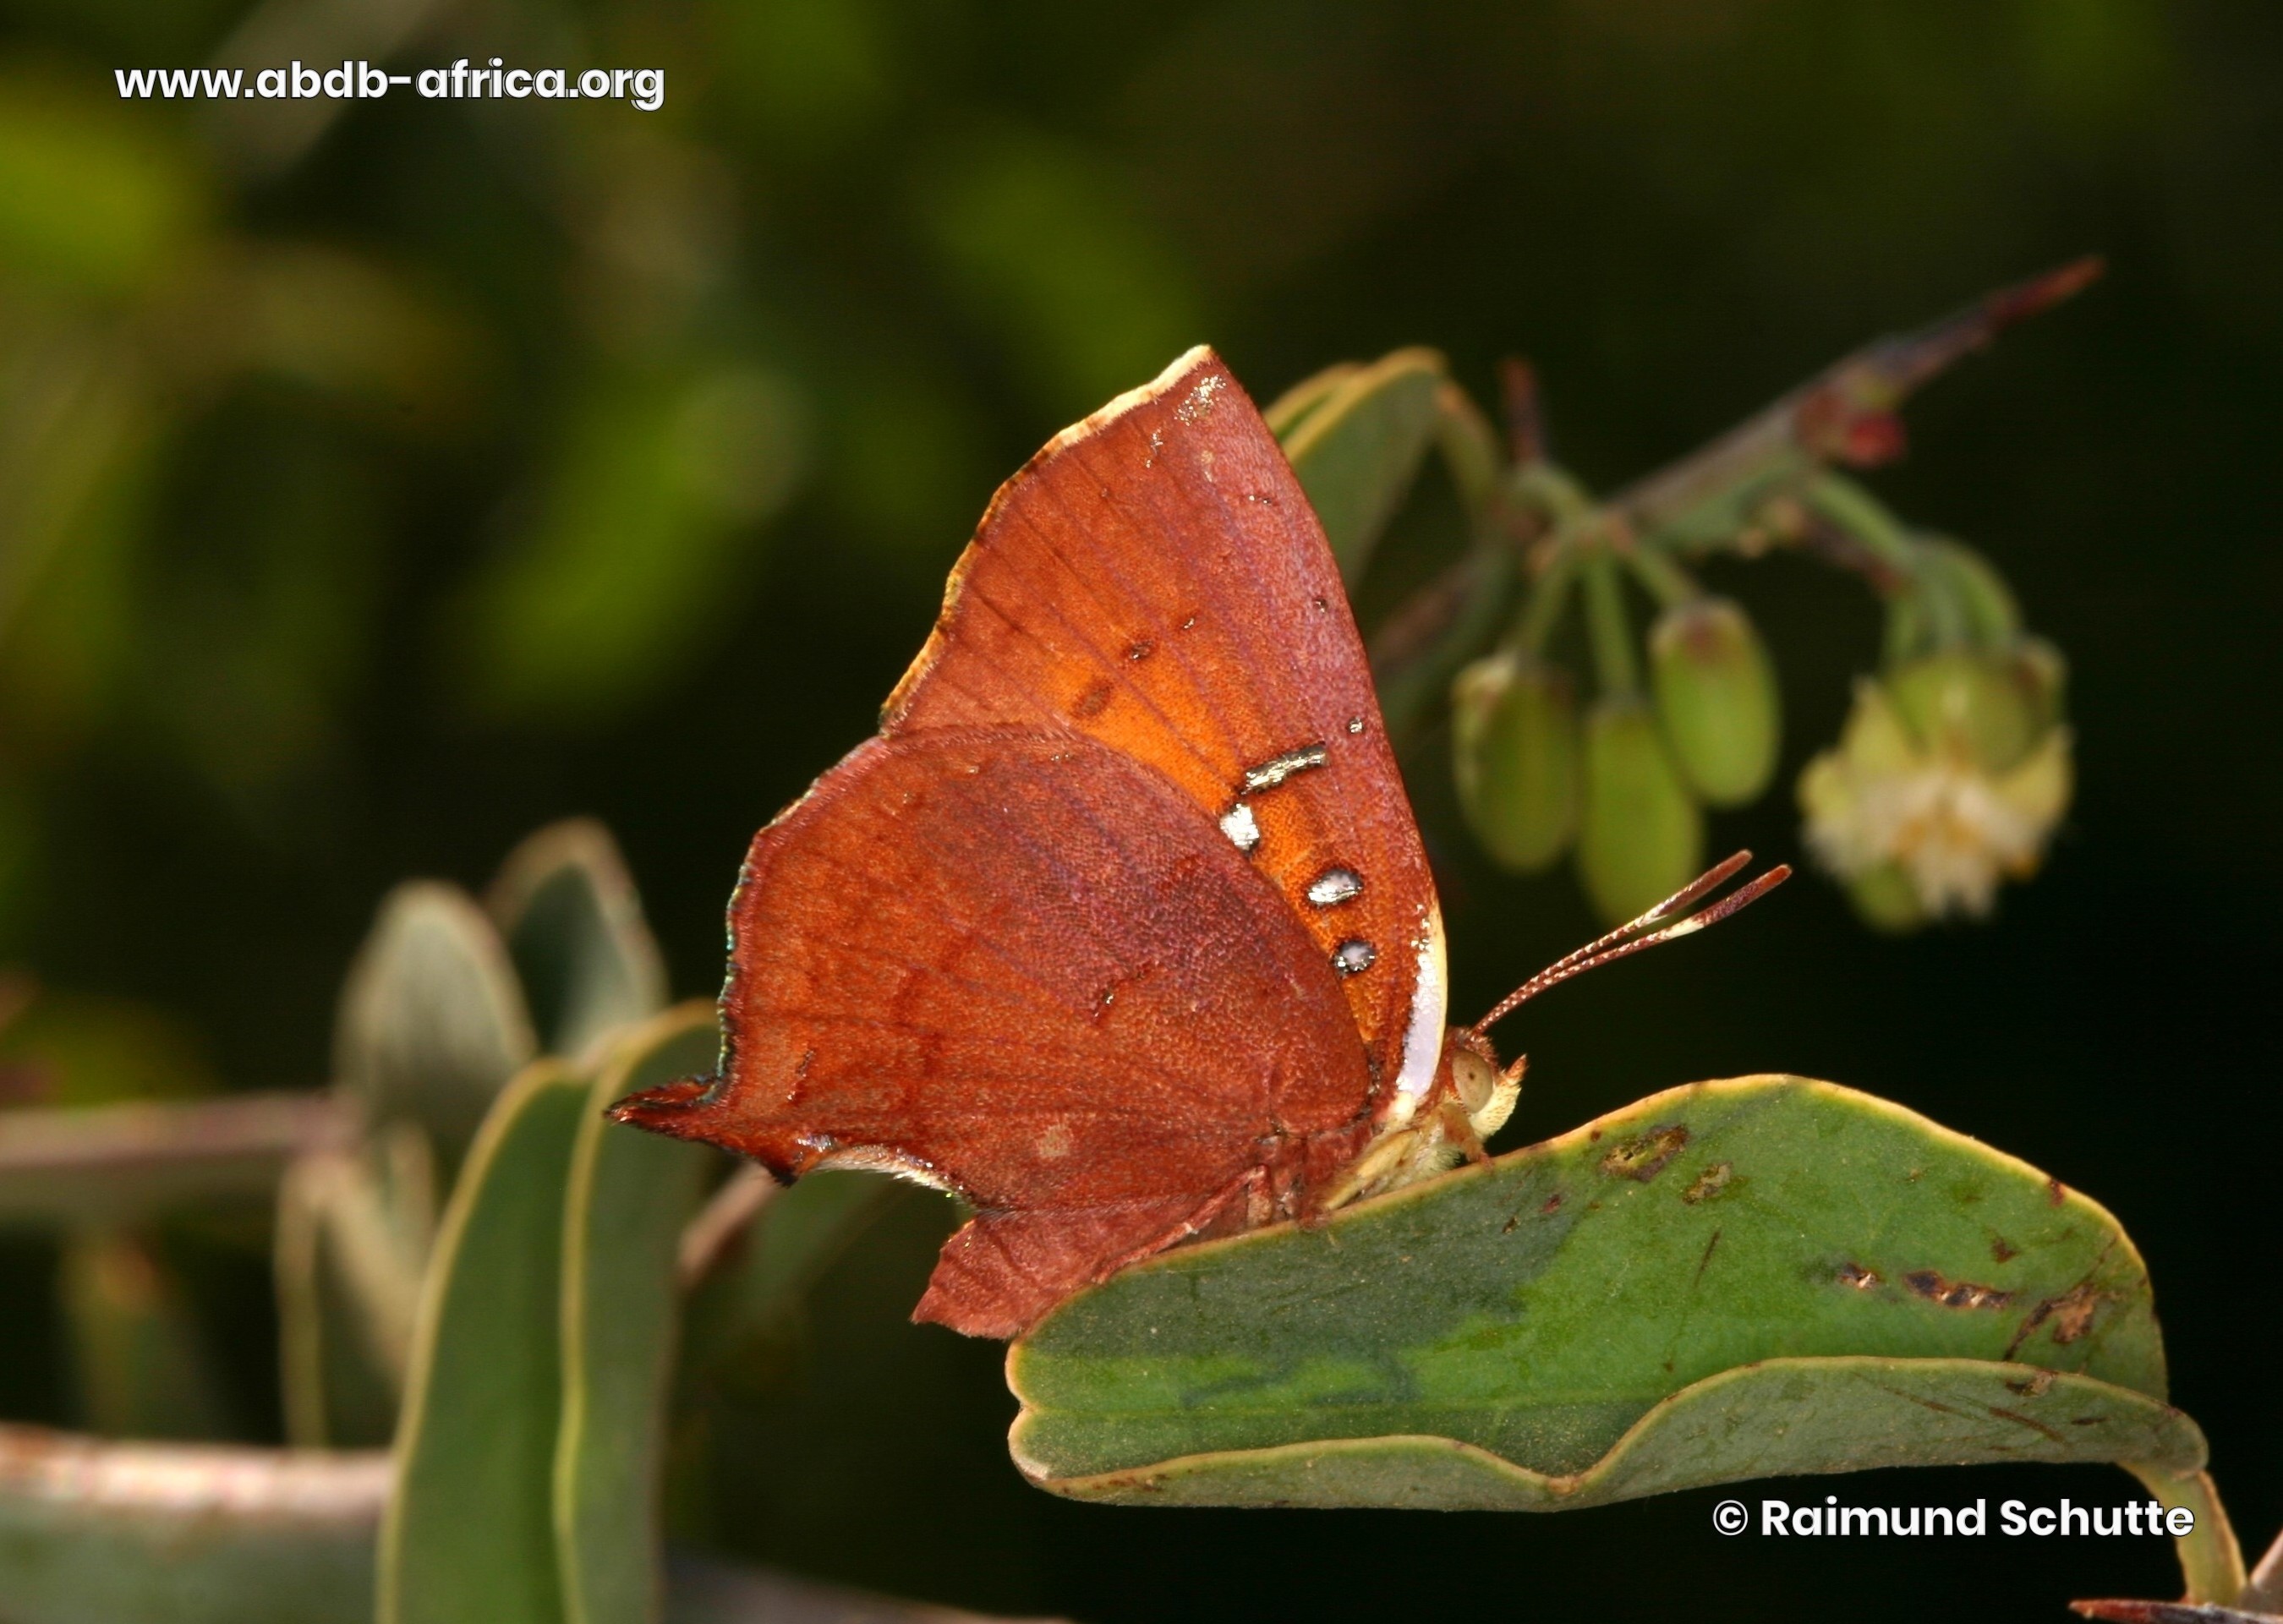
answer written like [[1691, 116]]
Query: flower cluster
[[1950, 774]]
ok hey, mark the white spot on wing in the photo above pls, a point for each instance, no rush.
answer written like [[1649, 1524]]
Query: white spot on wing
[[1270, 774], [1238, 823], [1334, 887], [1199, 404]]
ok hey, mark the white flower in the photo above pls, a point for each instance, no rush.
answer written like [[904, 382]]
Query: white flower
[[1919, 821]]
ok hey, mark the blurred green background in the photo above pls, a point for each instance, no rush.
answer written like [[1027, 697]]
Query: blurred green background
[[379, 480]]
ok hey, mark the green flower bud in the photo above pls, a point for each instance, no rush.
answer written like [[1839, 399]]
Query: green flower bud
[[1716, 694], [1982, 708], [1514, 749], [1641, 837]]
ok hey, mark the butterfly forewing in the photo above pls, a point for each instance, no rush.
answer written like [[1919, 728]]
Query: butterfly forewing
[[1155, 579]]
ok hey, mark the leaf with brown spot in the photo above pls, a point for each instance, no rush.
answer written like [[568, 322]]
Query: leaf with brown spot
[[2071, 1314], [1707, 1184], [1929, 1283], [1566, 1332], [1644, 1158]]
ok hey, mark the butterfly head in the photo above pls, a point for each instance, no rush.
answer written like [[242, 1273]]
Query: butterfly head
[[1470, 1099], [1474, 1079]]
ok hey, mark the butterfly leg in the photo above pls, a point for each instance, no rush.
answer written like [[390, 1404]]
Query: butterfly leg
[[1379, 1161], [1458, 1131]]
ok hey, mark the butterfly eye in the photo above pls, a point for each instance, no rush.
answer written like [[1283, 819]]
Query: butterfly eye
[[1486, 1093], [1474, 1079]]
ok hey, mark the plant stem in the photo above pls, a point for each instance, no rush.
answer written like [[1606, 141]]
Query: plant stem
[[117, 1163], [1865, 521], [1607, 625], [1662, 579], [707, 1237], [1418, 648], [1924, 607], [1846, 414], [1541, 610], [1550, 496], [2210, 1560], [1525, 420], [193, 1488]]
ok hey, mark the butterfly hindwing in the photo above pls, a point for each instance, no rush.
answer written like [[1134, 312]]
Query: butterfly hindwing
[[1012, 962]]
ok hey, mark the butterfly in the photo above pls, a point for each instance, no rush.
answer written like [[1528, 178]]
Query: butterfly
[[1120, 928]]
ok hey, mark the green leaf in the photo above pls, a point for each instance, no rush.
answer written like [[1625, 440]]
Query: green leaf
[[433, 1024], [353, 1234], [1358, 449], [469, 1537], [573, 925], [173, 1534], [1287, 411], [333, 1391], [1537, 1309], [1779, 1418], [631, 1193]]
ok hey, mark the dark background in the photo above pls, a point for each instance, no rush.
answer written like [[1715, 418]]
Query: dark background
[[324, 560]]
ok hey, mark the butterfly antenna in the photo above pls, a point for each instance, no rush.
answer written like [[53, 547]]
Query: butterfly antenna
[[1657, 925]]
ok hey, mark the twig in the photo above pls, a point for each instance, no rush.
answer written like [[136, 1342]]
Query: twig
[[719, 1224], [68, 1500], [1525, 420], [1738, 485], [118, 1162], [194, 1486], [1421, 618], [1847, 414]]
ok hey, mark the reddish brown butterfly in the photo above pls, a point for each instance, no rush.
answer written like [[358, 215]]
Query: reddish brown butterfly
[[1121, 929]]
